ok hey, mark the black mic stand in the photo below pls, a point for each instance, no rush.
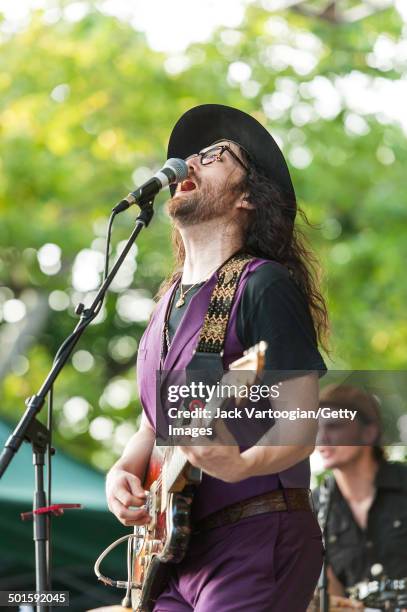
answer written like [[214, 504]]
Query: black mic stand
[[32, 430], [323, 586], [323, 514]]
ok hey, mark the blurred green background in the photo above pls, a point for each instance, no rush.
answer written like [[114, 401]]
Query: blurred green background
[[86, 107], [88, 97]]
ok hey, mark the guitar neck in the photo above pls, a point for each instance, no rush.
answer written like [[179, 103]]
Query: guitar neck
[[249, 366], [176, 461], [174, 468]]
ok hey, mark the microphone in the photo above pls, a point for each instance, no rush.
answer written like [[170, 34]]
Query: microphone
[[174, 171]]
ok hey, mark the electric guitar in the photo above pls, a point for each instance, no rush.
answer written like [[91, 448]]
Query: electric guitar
[[171, 481]]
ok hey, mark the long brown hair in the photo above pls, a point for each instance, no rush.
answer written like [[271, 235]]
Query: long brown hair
[[271, 234]]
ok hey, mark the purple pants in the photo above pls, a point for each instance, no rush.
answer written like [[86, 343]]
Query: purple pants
[[265, 563]]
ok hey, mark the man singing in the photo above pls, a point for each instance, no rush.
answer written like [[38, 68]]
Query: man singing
[[236, 210]]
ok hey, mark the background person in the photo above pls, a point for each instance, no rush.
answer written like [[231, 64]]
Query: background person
[[367, 516]]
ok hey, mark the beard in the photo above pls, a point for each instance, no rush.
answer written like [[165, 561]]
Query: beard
[[204, 203]]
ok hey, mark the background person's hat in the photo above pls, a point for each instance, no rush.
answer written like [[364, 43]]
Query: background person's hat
[[202, 125], [353, 398]]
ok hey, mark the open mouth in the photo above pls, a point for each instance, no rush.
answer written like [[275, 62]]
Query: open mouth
[[188, 185]]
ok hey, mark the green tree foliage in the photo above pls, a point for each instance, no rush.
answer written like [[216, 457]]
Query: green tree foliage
[[85, 111]]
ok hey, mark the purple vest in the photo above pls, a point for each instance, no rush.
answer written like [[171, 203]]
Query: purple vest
[[213, 493]]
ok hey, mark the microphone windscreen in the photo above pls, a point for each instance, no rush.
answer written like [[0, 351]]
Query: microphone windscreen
[[179, 167]]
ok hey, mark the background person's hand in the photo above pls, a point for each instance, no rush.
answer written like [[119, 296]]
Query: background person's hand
[[343, 603], [126, 497], [336, 604]]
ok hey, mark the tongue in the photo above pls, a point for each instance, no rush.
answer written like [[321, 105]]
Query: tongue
[[187, 186]]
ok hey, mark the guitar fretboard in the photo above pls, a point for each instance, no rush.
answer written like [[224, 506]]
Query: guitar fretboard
[[249, 365], [174, 466]]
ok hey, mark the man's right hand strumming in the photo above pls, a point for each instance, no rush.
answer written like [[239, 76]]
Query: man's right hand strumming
[[126, 497], [124, 491]]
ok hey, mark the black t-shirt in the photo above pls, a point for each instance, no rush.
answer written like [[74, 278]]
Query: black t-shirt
[[274, 309], [353, 551]]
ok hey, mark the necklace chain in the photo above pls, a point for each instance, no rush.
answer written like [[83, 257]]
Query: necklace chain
[[179, 303], [166, 341], [181, 300]]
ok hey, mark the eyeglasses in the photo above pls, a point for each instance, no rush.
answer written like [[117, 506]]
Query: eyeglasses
[[213, 154]]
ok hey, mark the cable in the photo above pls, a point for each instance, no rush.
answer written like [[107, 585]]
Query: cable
[[65, 346], [119, 584], [61, 351], [126, 601], [107, 247]]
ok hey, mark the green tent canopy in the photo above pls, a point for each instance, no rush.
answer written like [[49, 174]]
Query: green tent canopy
[[78, 536], [72, 482]]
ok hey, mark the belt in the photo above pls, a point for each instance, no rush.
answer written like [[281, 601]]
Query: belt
[[279, 500]]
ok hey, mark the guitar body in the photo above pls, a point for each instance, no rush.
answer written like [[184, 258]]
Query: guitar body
[[165, 539], [171, 481]]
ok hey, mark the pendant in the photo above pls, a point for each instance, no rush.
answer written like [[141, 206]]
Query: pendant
[[180, 302]]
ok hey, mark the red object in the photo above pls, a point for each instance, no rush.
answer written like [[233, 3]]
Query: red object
[[55, 509]]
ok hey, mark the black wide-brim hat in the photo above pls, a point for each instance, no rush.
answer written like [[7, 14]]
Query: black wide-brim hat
[[202, 125]]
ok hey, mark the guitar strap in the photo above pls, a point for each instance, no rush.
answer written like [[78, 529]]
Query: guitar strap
[[207, 363], [213, 332]]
